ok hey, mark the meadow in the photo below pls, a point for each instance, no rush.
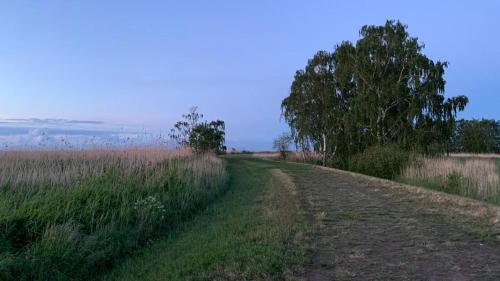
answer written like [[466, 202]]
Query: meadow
[[71, 215]]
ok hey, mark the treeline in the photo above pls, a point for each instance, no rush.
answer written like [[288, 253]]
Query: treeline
[[381, 90], [477, 136]]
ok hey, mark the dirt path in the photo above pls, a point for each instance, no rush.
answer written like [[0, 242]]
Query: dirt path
[[369, 232]]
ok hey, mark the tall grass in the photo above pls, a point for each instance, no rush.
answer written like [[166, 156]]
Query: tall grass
[[472, 177], [305, 157], [476, 155], [69, 215], [292, 156]]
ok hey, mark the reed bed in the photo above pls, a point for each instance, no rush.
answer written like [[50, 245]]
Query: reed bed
[[69, 215], [293, 156], [472, 177], [305, 157], [476, 155], [62, 168]]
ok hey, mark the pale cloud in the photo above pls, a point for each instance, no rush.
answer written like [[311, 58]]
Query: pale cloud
[[55, 133]]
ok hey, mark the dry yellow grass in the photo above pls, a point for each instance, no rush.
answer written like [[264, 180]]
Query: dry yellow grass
[[305, 157], [477, 177], [63, 167], [476, 155], [293, 156]]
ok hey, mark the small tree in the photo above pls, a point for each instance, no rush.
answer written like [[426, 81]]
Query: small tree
[[201, 136], [208, 137], [182, 129], [282, 144]]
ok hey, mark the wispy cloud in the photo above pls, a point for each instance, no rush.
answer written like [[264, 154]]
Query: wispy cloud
[[47, 122], [49, 133]]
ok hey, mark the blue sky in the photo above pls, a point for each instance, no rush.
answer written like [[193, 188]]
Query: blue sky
[[141, 64]]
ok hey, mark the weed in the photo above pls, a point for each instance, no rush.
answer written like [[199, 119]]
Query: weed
[[453, 182]]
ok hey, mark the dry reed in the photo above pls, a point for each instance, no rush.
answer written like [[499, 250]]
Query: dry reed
[[476, 155], [476, 177], [293, 156], [64, 167]]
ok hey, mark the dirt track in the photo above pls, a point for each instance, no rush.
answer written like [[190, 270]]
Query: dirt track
[[366, 231]]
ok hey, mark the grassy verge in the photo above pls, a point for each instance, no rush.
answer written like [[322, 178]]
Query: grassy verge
[[70, 215], [250, 233]]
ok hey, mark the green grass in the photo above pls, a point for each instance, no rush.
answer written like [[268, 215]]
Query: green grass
[[251, 233], [73, 215]]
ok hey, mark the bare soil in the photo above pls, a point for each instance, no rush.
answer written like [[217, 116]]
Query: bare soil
[[370, 229]]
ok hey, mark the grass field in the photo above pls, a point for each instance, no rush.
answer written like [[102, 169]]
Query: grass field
[[172, 215], [146, 214], [250, 233], [70, 215], [153, 214]]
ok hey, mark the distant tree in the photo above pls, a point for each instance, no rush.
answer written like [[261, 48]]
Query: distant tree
[[477, 136], [208, 137], [182, 129], [282, 144]]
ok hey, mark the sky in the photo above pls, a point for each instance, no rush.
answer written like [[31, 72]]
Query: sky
[[136, 66]]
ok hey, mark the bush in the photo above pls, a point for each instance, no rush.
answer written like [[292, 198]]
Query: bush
[[208, 137], [380, 161]]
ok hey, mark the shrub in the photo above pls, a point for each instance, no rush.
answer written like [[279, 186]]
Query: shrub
[[380, 161], [208, 137]]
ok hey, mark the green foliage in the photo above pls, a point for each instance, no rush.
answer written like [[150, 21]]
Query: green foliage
[[380, 161], [208, 137], [453, 182], [201, 136], [401, 91], [317, 102], [381, 90]]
